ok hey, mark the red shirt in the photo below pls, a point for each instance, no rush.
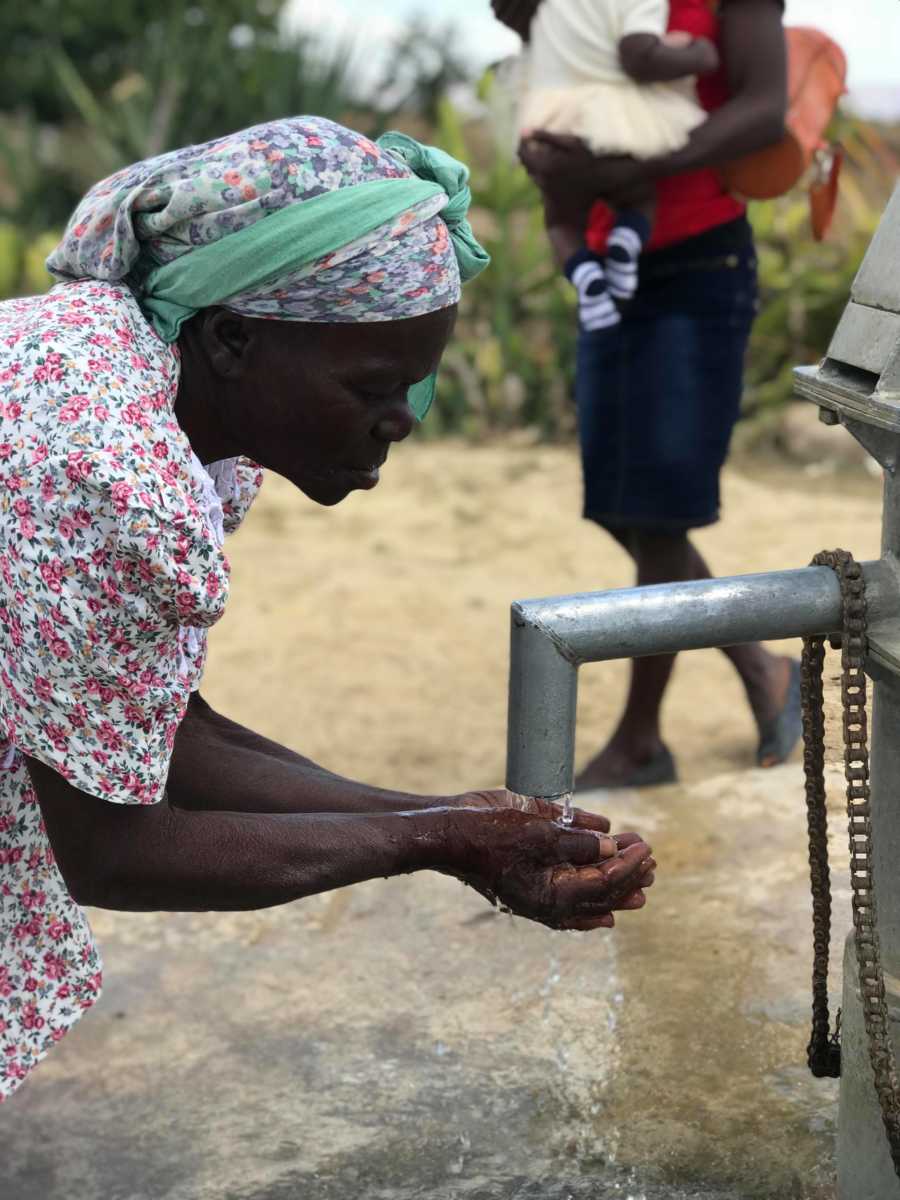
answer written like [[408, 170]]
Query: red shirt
[[694, 202]]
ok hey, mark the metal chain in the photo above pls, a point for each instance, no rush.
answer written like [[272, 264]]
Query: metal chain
[[824, 1051]]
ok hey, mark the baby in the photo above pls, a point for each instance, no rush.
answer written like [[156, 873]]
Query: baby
[[607, 72]]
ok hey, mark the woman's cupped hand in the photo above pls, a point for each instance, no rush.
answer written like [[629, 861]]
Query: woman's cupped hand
[[516, 852]]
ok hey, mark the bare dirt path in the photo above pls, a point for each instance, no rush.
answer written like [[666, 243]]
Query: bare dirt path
[[401, 1040]]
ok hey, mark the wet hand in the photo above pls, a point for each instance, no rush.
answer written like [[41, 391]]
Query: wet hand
[[562, 877], [534, 805]]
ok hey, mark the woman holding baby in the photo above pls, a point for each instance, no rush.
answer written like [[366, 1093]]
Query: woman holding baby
[[631, 110]]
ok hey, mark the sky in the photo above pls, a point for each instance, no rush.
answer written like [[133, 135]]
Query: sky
[[868, 30]]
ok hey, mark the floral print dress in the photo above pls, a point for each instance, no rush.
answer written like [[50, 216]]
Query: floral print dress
[[111, 570]]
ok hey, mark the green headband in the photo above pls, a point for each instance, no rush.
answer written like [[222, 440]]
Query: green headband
[[304, 233]]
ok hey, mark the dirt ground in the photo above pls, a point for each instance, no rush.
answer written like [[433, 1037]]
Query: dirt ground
[[401, 1040], [373, 636]]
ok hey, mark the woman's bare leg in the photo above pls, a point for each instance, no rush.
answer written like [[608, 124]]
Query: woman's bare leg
[[665, 558]]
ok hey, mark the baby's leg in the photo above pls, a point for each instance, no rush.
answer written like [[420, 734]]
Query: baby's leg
[[584, 270], [628, 238]]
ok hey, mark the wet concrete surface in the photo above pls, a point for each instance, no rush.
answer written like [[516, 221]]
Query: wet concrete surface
[[401, 1040]]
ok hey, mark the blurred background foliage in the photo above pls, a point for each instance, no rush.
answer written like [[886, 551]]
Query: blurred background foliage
[[89, 86]]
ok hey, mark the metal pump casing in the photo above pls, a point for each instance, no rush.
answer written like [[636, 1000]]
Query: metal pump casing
[[859, 379]]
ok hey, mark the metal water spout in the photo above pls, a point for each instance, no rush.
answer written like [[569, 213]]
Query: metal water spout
[[857, 385]]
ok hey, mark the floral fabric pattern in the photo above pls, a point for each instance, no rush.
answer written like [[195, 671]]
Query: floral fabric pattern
[[110, 573], [155, 211], [370, 279]]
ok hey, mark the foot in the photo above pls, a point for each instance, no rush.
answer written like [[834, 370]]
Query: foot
[[629, 235], [781, 728], [768, 693], [596, 309], [619, 766]]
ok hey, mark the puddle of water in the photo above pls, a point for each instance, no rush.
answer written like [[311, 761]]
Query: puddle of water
[[443, 1056], [710, 1088]]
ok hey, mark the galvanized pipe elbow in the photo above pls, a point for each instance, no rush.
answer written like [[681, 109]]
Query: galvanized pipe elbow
[[551, 638]]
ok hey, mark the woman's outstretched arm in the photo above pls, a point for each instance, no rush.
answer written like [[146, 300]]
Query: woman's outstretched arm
[[163, 858], [218, 764]]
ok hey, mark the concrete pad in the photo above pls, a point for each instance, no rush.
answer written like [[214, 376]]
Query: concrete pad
[[402, 1040]]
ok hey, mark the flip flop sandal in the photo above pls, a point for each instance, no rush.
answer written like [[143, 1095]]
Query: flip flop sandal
[[780, 736], [656, 772]]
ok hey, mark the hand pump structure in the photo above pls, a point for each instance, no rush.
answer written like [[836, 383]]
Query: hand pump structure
[[857, 385]]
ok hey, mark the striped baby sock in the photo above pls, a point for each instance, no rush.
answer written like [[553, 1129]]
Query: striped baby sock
[[596, 309], [629, 235]]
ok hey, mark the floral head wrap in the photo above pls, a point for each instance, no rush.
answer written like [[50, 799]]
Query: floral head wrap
[[296, 220]]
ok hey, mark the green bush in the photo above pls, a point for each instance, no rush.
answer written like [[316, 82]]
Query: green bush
[[804, 284], [22, 269], [35, 276], [511, 363], [11, 251]]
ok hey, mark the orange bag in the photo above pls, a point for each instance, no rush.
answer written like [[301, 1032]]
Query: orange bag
[[817, 75]]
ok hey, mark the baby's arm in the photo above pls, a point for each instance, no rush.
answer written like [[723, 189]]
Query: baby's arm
[[517, 15], [647, 58]]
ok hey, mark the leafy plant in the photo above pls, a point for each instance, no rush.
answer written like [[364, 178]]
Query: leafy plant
[[804, 285], [189, 73], [422, 67], [110, 84], [512, 359]]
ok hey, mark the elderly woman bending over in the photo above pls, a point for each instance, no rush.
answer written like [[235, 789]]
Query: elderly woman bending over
[[281, 296]]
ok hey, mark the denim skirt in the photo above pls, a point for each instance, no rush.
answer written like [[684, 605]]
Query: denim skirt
[[659, 395]]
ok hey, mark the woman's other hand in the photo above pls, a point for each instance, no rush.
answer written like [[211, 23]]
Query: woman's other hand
[[563, 877], [572, 179]]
